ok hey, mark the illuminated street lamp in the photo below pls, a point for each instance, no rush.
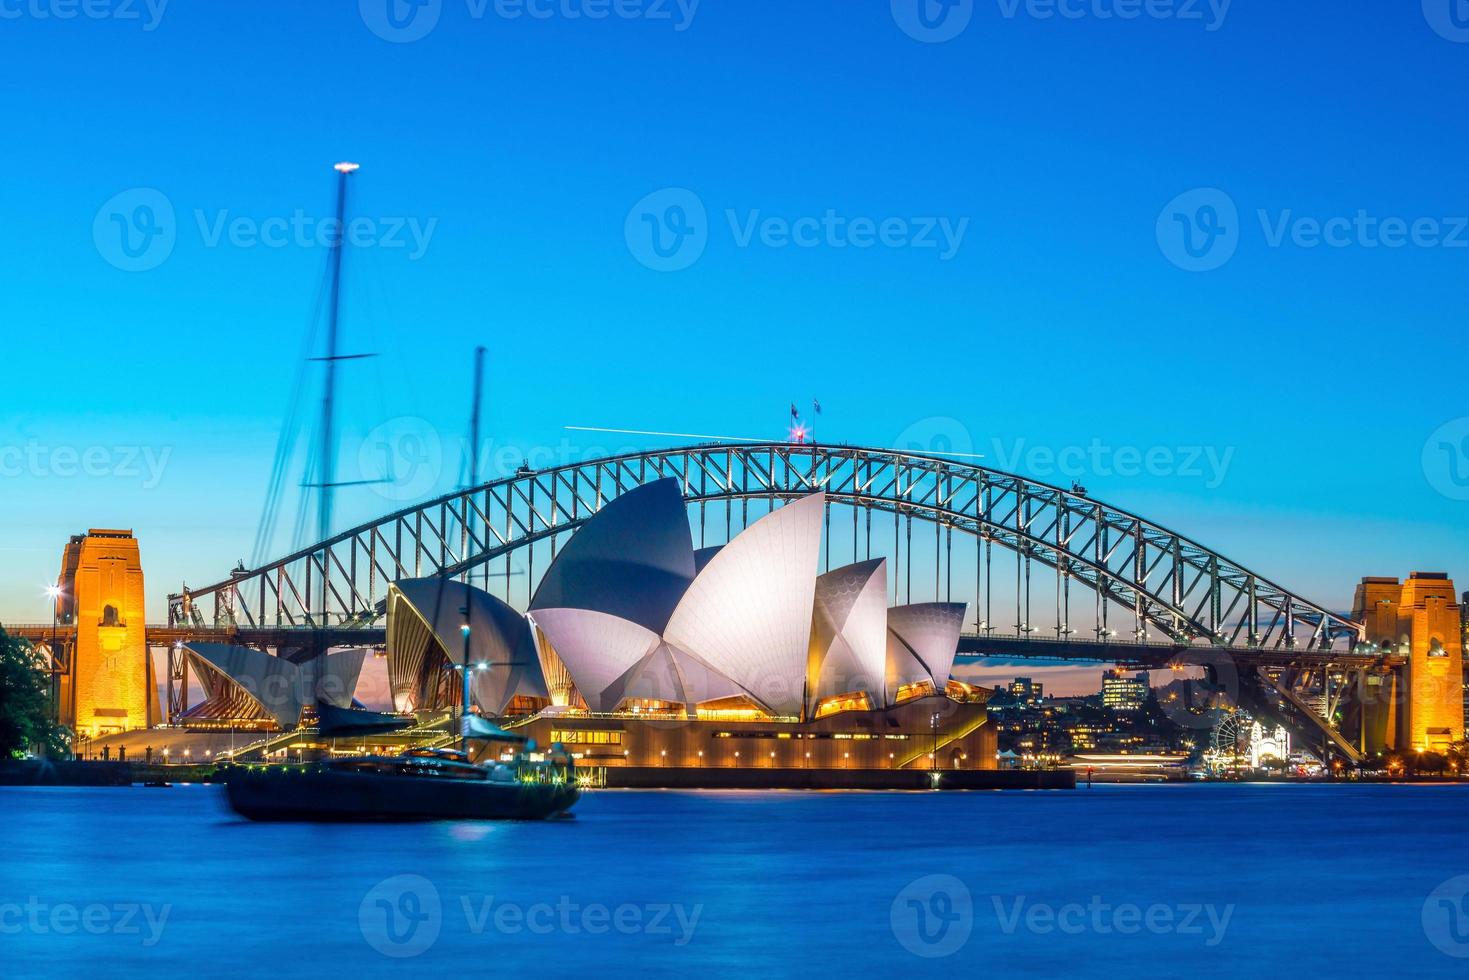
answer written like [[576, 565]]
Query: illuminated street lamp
[[933, 756], [464, 665], [465, 669]]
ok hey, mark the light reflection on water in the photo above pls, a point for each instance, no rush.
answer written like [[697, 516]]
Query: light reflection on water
[[1327, 879]]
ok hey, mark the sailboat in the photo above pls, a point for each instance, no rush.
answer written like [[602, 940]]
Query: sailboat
[[420, 784], [428, 783]]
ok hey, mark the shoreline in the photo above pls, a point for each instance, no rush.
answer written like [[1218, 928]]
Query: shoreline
[[26, 773]]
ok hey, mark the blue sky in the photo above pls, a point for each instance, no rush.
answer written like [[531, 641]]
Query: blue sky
[[522, 148]]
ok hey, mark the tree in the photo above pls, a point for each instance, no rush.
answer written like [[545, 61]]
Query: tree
[[26, 710], [1458, 757]]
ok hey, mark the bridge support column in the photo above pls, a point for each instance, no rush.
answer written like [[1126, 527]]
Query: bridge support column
[[178, 683], [101, 594], [1419, 618]]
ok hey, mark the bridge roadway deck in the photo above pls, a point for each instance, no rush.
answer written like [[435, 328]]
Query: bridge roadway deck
[[1155, 656], [972, 647], [269, 636]]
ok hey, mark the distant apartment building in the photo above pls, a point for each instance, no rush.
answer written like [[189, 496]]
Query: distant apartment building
[[1027, 691], [1122, 691]]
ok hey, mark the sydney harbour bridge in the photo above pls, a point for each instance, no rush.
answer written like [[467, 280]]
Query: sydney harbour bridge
[[1048, 572]]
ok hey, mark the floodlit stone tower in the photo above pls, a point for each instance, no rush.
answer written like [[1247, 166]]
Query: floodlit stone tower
[[109, 687], [1421, 619]]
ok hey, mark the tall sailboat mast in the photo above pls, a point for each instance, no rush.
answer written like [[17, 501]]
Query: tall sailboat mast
[[472, 477], [328, 448], [477, 404]]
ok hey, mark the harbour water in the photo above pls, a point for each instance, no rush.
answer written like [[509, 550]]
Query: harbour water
[[1165, 881]]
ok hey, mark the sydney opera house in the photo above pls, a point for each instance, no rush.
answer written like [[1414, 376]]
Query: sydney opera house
[[639, 650]]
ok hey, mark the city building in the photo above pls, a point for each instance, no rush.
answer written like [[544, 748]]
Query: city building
[[1026, 690], [1122, 691], [1056, 728], [1268, 744]]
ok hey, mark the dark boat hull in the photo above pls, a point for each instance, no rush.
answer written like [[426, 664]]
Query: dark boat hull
[[323, 794]]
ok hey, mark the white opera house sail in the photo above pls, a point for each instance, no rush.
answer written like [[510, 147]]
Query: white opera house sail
[[922, 639], [630, 617], [849, 638], [738, 631], [436, 624]]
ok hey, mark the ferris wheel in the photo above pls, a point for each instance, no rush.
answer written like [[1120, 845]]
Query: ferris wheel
[[1231, 736]]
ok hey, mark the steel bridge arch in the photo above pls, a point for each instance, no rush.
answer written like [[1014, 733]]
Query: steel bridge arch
[[1188, 592]]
